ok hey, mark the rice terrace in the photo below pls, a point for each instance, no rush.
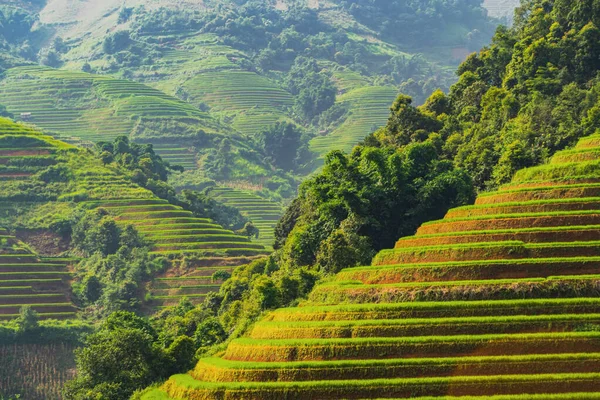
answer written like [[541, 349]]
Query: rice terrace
[[299, 199]]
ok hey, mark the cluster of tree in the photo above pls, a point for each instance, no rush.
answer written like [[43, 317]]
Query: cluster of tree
[[27, 328], [286, 145], [139, 158], [364, 202], [127, 353], [533, 91], [425, 23], [16, 37], [115, 265], [313, 89], [4, 113]]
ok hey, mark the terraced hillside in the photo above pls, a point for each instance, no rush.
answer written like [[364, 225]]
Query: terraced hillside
[[27, 279], [368, 109], [35, 192], [202, 68], [88, 106], [263, 213], [497, 299], [80, 107]]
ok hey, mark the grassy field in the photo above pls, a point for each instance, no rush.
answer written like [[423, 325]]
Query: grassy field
[[26, 279], [90, 107]]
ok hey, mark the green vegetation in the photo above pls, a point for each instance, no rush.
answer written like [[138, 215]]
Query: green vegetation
[[290, 74], [81, 107], [515, 104], [328, 68], [436, 317]]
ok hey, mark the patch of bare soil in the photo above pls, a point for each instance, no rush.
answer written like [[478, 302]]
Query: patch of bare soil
[[46, 243]]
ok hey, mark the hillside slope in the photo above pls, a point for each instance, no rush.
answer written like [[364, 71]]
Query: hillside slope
[[84, 108], [499, 298], [240, 70], [43, 182], [263, 214]]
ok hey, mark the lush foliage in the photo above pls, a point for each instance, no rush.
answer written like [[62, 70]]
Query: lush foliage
[[532, 92], [116, 264], [126, 354], [286, 145], [419, 23], [139, 158], [28, 329], [364, 202]]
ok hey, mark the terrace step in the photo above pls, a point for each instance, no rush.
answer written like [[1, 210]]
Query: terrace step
[[182, 386], [200, 238], [209, 271], [511, 221], [557, 205], [571, 233], [277, 350], [42, 309], [588, 142], [486, 251], [59, 316], [472, 270], [208, 246], [439, 309], [573, 170], [487, 289], [540, 193], [576, 155], [423, 327], [39, 267], [219, 370], [167, 283], [185, 290], [163, 301]]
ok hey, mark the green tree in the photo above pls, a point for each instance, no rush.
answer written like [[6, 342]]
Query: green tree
[[4, 112], [249, 230], [285, 144], [114, 363], [209, 333], [27, 321]]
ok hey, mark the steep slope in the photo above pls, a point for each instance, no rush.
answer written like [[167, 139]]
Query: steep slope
[[499, 298], [84, 108], [44, 181], [368, 109]]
